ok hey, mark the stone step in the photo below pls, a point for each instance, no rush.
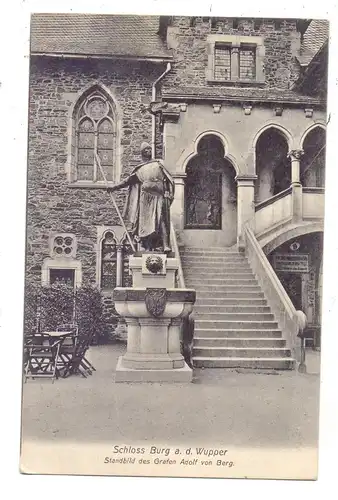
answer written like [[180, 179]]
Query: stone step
[[218, 257], [230, 293], [233, 316], [201, 268], [242, 352], [231, 290], [214, 264], [224, 250], [203, 342], [220, 324], [218, 275], [253, 363], [207, 263], [203, 308], [226, 302], [211, 253], [239, 333], [221, 282]]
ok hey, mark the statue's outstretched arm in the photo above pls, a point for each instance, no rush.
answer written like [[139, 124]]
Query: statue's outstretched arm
[[126, 182]]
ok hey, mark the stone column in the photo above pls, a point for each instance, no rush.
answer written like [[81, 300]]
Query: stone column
[[119, 265], [133, 342], [297, 194], [245, 205], [154, 338], [174, 343], [177, 207], [234, 62]]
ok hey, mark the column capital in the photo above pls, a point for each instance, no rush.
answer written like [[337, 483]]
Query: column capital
[[243, 179], [154, 322], [295, 154], [132, 321], [176, 321], [179, 178]]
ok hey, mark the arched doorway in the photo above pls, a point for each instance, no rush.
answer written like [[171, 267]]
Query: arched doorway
[[273, 167], [211, 194], [298, 264], [312, 167]]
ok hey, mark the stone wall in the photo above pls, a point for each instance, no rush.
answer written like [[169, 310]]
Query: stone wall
[[52, 206], [187, 39]]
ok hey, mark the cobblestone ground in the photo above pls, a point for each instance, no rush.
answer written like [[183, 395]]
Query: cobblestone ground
[[220, 407]]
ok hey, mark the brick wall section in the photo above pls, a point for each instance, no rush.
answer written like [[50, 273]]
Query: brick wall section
[[190, 52], [51, 205]]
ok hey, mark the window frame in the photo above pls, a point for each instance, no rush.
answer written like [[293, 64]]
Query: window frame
[[60, 264], [120, 237], [236, 43], [114, 116]]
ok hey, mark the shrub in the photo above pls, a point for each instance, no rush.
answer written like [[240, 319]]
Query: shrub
[[56, 305], [48, 307], [89, 312], [31, 308]]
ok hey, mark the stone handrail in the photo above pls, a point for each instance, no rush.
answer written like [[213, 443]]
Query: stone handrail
[[272, 199], [180, 276], [290, 321], [273, 212]]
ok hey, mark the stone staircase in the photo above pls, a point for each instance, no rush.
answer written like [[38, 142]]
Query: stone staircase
[[234, 326]]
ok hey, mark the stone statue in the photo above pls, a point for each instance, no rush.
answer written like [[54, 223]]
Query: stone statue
[[147, 208]]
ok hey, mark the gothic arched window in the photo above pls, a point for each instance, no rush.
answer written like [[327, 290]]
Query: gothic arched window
[[108, 262], [127, 280], [95, 139]]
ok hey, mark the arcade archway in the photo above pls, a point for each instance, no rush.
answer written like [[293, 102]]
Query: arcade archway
[[273, 167], [211, 191], [298, 264], [312, 167]]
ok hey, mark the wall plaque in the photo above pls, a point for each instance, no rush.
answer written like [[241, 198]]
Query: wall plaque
[[292, 263]]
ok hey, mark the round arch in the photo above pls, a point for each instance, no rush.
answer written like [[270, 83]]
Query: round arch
[[288, 234], [309, 129]]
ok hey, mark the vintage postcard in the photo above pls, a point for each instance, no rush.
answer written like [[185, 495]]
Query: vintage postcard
[[174, 248]]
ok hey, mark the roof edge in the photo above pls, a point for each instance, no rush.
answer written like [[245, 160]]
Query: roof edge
[[203, 97], [66, 55]]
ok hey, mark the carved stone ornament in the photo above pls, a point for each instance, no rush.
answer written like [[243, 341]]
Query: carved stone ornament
[[157, 107], [156, 300], [296, 154], [154, 264], [171, 113], [247, 109], [217, 107]]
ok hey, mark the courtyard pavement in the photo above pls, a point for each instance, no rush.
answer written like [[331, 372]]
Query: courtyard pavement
[[221, 407]]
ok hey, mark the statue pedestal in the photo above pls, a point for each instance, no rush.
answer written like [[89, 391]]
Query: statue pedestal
[[153, 310]]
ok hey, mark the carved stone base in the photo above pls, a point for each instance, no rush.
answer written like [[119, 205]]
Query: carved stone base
[[177, 375], [163, 361]]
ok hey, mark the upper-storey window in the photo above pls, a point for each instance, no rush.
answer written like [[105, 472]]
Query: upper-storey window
[[235, 59], [222, 65], [247, 62], [94, 152]]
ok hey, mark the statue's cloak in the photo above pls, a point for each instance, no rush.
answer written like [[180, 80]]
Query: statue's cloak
[[151, 192]]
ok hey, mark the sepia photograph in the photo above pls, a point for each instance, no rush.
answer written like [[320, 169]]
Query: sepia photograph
[[174, 245]]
